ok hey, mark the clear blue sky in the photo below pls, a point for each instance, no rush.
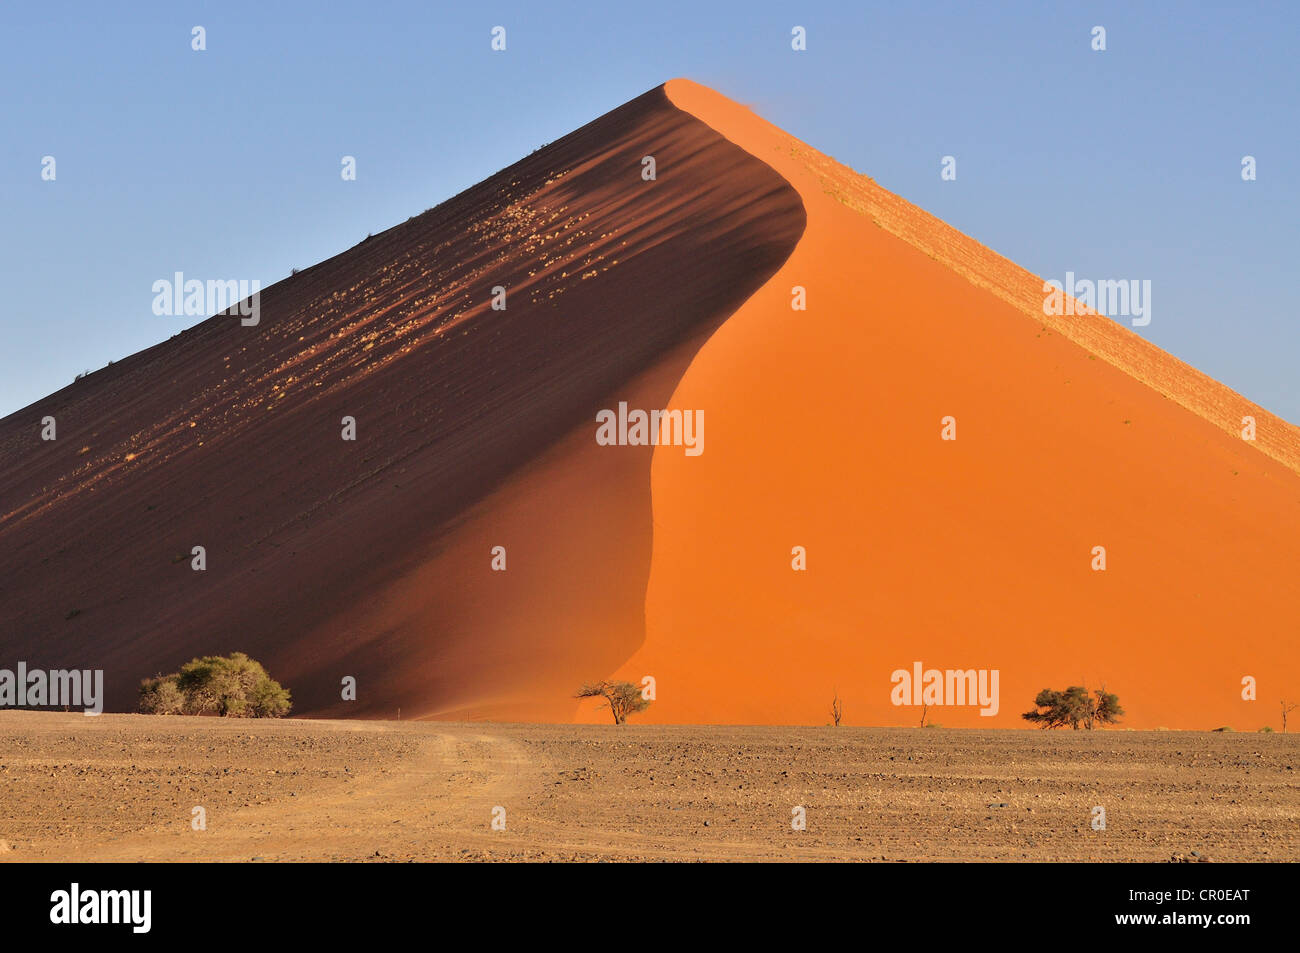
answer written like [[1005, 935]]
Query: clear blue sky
[[225, 163]]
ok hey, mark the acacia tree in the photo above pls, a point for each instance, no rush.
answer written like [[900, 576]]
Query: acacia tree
[[233, 686], [1106, 710], [623, 698], [1075, 707]]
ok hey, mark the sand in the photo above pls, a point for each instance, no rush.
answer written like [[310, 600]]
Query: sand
[[123, 787], [372, 559], [967, 554]]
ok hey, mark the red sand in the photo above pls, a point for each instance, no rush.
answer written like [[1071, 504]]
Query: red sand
[[823, 430], [475, 429]]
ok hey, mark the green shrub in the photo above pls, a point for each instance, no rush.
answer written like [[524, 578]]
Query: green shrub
[[1075, 707], [269, 699], [233, 686], [160, 696]]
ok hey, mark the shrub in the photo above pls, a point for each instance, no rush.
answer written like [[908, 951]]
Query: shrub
[[1075, 707], [269, 699], [161, 696], [233, 686], [623, 698]]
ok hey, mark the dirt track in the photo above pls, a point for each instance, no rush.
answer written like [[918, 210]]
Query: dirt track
[[121, 787]]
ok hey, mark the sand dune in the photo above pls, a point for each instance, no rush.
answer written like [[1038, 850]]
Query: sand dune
[[327, 558], [476, 429]]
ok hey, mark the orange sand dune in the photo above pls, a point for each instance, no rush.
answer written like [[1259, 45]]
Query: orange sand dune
[[476, 429], [372, 558], [974, 553]]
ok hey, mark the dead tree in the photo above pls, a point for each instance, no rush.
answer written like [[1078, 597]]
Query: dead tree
[[1287, 709]]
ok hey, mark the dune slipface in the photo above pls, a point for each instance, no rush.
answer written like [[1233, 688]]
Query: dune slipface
[[476, 429], [974, 553]]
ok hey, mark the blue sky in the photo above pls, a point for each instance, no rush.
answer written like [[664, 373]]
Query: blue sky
[[225, 163]]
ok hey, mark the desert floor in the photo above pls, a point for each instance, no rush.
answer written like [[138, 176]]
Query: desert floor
[[122, 787]]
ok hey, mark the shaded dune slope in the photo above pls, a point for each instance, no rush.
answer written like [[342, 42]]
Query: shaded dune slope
[[475, 428], [976, 553]]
